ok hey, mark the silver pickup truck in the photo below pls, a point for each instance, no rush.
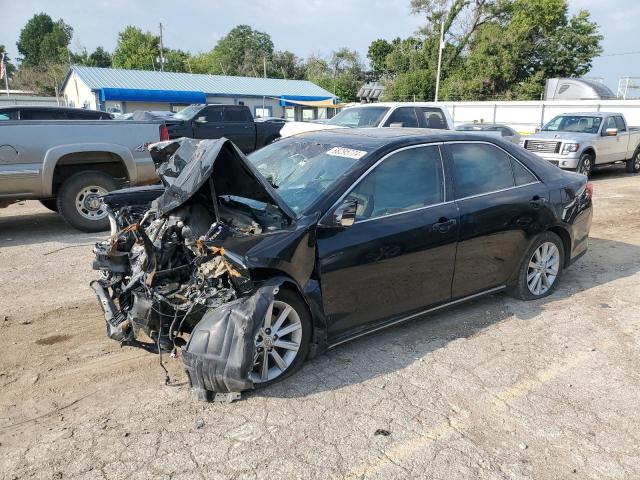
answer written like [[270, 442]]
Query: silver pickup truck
[[69, 164], [580, 141]]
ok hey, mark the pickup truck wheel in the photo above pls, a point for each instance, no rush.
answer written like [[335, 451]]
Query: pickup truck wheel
[[633, 164], [585, 164], [51, 204], [79, 200]]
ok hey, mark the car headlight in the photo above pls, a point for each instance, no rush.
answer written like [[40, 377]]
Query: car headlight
[[570, 148]]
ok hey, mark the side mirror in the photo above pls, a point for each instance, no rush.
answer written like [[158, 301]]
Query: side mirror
[[200, 120], [345, 214], [611, 132], [396, 125]]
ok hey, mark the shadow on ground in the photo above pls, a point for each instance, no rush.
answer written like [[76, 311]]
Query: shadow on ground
[[395, 348]]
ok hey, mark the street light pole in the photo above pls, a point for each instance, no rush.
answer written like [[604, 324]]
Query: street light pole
[[161, 50], [440, 48]]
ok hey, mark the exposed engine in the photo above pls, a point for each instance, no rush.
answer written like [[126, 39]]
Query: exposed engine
[[164, 265]]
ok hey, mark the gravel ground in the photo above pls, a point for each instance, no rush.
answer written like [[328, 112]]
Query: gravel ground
[[495, 389]]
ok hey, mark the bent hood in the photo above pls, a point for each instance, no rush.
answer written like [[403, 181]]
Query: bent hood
[[185, 165], [294, 128]]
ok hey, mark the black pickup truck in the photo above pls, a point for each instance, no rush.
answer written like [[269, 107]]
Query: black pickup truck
[[234, 122]]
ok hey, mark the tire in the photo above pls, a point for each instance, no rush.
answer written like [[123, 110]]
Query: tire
[[522, 289], [292, 299], [51, 204], [633, 164], [585, 165], [77, 199]]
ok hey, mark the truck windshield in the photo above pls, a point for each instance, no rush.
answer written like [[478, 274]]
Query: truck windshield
[[573, 123], [303, 171], [188, 113], [359, 117]]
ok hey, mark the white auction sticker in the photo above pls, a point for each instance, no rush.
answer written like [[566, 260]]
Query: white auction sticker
[[346, 152]]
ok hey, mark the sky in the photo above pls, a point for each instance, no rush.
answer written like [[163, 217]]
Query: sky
[[301, 26]]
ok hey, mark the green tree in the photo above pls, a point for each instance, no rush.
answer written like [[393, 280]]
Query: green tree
[[341, 73], [241, 52], [377, 55], [285, 64], [100, 58], [136, 49], [44, 41], [11, 68]]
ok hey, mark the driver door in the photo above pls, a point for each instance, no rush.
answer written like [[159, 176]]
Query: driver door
[[398, 256]]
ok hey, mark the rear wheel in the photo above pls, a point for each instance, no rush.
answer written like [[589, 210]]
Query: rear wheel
[[51, 204], [79, 200], [585, 165], [633, 164], [541, 268], [282, 344]]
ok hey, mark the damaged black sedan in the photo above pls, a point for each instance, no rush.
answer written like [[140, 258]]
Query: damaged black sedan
[[251, 265]]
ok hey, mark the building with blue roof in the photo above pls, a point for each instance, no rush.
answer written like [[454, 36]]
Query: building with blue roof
[[121, 91]]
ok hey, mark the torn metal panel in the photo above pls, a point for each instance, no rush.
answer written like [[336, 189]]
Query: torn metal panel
[[221, 351]]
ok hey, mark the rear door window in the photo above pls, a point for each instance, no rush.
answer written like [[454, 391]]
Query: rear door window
[[480, 168], [404, 115], [433, 118], [407, 180], [237, 114]]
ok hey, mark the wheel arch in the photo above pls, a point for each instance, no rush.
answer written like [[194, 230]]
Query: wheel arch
[[63, 161], [565, 236], [590, 150]]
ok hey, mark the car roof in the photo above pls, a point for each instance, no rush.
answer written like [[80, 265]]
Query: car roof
[[588, 114], [381, 137], [396, 104]]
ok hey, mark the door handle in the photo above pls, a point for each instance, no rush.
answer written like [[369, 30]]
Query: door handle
[[443, 225], [537, 201]]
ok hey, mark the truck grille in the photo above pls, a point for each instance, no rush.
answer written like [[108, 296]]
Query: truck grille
[[540, 146]]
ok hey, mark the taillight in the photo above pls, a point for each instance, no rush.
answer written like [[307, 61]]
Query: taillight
[[164, 133], [589, 190]]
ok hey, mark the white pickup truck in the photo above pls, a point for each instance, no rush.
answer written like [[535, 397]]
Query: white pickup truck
[[383, 114], [581, 141], [69, 164]]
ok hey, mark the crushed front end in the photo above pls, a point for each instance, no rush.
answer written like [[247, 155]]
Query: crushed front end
[[164, 267]]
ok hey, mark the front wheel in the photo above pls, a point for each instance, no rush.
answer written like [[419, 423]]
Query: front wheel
[[79, 200], [633, 164], [541, 268], [282, 344], [585, 165]]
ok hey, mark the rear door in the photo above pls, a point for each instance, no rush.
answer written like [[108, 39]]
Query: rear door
[[398, 256], [239, 127], [502, 206]]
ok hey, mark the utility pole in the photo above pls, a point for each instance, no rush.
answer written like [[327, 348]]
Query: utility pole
[[264, 65], [440, 48], [5, 73], [161, 50]]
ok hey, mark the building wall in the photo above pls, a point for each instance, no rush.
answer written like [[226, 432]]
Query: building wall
[[525, 117], [77, 94]]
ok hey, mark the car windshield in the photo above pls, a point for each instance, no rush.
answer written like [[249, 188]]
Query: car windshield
[[359, 117], [573, 123], [303, 171], [188, 113]]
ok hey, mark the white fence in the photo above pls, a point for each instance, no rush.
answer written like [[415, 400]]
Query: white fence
[[525, 117]]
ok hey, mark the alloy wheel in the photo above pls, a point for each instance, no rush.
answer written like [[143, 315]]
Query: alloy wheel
[[89, 204], [636, 162], [543, 268], [277, 342], [585, 166]]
